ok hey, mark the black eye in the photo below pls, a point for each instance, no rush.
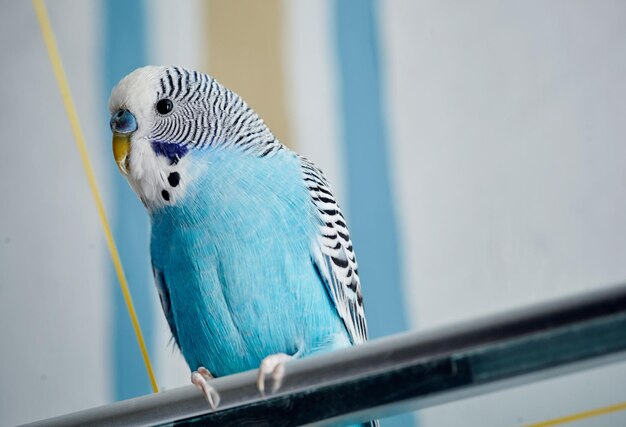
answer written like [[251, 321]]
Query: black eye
[[164, 106]]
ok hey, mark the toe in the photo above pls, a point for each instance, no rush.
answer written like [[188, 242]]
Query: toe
[[260, 379], [197, 379], [274, 365], [277, 376], [205, 373], [211, 395]]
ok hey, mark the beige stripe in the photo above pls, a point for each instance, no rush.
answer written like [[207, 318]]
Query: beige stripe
[[245, 53]]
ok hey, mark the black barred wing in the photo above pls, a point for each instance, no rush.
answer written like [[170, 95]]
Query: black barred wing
[[333, 255]]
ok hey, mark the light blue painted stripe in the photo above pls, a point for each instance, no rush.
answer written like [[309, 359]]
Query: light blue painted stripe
[[124, 50], [371, 209]]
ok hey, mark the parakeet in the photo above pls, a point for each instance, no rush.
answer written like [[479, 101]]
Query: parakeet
[[251, 254]]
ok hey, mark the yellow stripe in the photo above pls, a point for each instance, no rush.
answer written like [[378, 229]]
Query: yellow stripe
[[245, 54], [57, 66], [581, 415]]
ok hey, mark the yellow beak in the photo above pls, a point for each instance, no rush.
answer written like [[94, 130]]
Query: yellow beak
[[121, 150]]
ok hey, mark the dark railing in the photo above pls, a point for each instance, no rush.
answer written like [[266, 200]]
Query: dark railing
[[400, 373]]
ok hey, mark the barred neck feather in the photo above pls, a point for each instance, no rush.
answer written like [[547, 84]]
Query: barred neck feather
[[209, 115]]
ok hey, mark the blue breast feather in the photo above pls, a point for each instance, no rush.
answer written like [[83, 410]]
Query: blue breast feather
[[233, 258]]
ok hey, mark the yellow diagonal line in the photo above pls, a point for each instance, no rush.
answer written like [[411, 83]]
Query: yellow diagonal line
[[57, 66], [581, 415]]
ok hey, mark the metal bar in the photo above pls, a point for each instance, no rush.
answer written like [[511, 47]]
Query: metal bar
[[400, 373]]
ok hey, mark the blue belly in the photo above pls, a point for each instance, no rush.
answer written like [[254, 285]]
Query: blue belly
[[235, 259]]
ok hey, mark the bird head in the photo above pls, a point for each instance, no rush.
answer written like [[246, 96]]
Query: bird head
[[141, 108], [161, 115]]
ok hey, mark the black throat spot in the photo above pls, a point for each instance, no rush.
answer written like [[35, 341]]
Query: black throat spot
[[173, 178]]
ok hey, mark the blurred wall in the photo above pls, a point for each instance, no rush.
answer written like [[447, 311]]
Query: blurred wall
[[503, 156], [55, 311]]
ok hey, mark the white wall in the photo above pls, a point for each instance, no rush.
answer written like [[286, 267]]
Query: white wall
[[508, 146], [508, 130], [312, 89], [53, 296]]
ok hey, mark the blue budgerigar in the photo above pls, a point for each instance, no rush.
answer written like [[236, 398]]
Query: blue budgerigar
[[251, 254]]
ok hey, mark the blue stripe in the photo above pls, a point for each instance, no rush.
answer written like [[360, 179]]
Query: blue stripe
[[124, 50], [371, 209]]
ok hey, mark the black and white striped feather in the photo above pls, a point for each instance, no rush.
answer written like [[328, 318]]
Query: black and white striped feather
[[334, 256], [207, 113]]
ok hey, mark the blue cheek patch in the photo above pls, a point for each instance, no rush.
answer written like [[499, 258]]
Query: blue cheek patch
[[173, 152]]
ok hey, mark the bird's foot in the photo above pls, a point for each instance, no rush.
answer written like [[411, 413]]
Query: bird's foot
[[199, 378], [275, 366]]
